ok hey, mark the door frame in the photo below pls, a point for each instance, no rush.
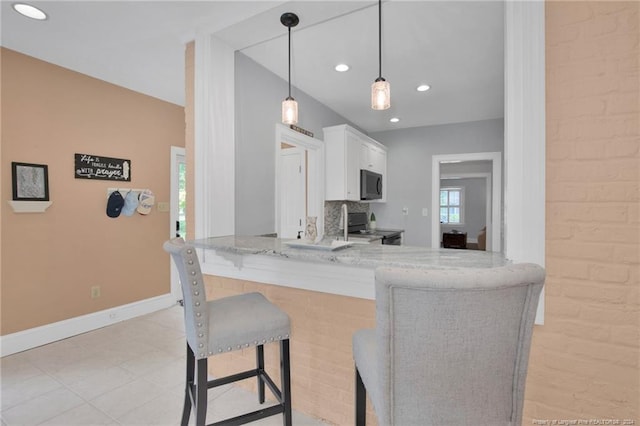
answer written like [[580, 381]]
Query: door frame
[[494, 238], [176, 151]]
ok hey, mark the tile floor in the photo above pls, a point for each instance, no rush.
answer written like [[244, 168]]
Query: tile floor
[[130, 373]]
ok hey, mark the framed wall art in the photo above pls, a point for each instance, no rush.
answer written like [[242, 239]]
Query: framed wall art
[[30, 182]]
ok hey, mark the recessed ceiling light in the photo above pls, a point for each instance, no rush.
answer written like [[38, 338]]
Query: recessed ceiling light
[[342, 67], [29, 11], [423, 88], [394, 119]]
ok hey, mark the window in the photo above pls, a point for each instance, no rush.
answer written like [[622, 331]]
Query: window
[[452, 206]]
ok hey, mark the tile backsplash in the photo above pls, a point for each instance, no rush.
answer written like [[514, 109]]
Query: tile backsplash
[[332, 214]]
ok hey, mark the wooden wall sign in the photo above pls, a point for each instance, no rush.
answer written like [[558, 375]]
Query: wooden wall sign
[[102, 168], [301, 130]]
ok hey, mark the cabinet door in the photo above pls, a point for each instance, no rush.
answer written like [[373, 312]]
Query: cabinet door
[[372, 158], [365, 156], [353, 167], [377, 159]]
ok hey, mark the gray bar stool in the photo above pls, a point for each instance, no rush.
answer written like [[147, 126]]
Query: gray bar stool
[[224, 325], [450, 347]]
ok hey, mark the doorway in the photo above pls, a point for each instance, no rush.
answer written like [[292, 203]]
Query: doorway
[[299, 182], [440, 163], [293, 190], [177, 215], [465, 202]]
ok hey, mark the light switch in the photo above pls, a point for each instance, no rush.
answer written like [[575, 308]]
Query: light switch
[[425, 212], [405, 211]]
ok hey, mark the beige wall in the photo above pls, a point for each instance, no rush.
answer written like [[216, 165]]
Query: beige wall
[[50, 260], [584, 360]]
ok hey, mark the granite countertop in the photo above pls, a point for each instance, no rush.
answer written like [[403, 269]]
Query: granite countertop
[[359, 255]]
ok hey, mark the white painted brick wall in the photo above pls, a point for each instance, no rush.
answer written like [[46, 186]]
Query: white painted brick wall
[[584, 362]]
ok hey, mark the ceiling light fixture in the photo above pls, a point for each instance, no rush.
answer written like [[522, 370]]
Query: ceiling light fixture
[[289, 105], [380, 89], [423, 88], [394, 119], [342, 67], [29, 11]]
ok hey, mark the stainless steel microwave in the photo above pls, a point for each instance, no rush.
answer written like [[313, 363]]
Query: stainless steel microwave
[[370, 185]]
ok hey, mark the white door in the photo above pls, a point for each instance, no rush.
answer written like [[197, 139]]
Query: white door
[[292, 191], [177, 216]]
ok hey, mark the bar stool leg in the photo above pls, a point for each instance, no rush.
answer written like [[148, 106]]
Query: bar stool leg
[[285, 377], [191, 365], [260, 367], [201, 391], [361, 401]]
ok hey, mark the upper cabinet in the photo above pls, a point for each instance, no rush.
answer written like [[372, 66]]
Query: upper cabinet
[[347, 152], [342, 163], [372, 157]]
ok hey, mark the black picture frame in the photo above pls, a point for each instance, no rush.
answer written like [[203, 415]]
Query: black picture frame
[[30, 181]]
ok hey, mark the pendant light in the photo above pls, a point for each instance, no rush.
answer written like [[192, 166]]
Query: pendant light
[[289, 105], [380, 89]]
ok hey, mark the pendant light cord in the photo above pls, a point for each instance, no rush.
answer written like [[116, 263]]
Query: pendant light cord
[[289, 61], [380, 38]]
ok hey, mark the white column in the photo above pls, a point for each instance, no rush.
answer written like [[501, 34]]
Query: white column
[[214, 148], [525, 134]]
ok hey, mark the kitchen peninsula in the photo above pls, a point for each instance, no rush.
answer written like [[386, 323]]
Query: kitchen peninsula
[[328, 294], [239, 256]]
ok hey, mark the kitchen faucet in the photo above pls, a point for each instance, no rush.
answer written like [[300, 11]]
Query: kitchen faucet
[[345, 221]]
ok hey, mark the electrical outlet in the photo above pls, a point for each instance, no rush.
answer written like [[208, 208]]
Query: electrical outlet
[[95, 291], [163, 206], [425, 212]]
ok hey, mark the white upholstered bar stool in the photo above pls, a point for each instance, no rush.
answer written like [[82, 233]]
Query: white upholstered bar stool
[[224, 325], [450, 347]]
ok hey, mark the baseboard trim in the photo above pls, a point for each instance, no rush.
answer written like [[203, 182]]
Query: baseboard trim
[[38, 336]]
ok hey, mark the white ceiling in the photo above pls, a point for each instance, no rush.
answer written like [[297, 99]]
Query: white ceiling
[[456, 47]]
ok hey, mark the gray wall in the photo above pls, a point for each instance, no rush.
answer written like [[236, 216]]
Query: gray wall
[[409, 169], [475, 206], [258, 96]]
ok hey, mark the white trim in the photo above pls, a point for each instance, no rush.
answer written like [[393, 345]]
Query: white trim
[[38, 336], [524, 147], [315, 171], [494, 241], [214, 144], [176, 152]]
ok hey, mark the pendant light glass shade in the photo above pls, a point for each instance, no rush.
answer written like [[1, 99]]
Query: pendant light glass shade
[[289, 111], [380, 94]]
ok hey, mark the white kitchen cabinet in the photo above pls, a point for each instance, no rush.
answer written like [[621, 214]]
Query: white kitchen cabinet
[[347, 151], [342, 167], [372, 157]]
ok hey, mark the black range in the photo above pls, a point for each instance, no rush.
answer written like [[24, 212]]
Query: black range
[[357, 224]]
